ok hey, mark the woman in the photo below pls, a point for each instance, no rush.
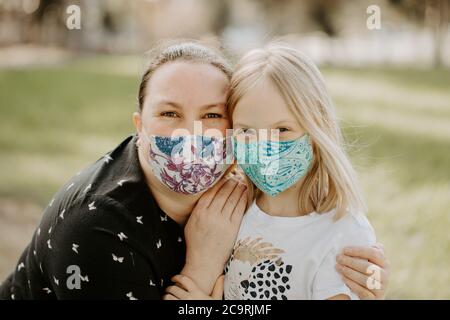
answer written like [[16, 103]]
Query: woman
[[120, 229]]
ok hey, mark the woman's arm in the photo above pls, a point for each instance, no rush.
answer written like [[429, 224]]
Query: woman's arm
[[365, 270], [186, 289]]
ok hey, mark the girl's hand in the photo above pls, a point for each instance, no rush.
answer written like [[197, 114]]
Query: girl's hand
[[186, 289], [211, 231], [365, 270]]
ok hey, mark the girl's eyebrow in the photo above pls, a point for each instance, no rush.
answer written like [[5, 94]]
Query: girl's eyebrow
[[213, 105], [287, 121]]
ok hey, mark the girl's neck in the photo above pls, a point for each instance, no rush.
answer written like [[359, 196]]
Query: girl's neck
[[176, 205], [284, 204]]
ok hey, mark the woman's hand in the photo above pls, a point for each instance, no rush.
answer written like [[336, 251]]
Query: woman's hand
[[211, 231], [186, 289], [365, 270]]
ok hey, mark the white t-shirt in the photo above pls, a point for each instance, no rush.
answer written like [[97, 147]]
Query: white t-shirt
[[292, 257]]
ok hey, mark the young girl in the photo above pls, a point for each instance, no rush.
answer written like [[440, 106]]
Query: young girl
[[308, 205]]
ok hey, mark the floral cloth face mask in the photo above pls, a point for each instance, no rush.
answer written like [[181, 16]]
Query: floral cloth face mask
[[188, 164], [274, 166]]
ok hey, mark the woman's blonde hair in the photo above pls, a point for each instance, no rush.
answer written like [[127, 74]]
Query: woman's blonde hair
[[331, 181]]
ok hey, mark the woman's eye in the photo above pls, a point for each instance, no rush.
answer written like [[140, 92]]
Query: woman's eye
[[169, 114], [248, 131], [283, 129], [213, 115]]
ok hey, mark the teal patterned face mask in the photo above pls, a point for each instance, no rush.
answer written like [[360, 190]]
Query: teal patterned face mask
[[274, 166]]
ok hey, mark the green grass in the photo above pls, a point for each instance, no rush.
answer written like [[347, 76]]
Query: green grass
[[55, 121], [398, 126]]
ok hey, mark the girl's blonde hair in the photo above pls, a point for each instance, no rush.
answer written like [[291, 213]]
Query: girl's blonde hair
[[331, 181]]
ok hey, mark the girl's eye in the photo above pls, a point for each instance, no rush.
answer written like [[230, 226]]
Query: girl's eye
[[169, 114], [213, 115], [283, 129]]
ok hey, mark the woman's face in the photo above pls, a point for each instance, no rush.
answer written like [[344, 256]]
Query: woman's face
[[263, 107], [182, 94]]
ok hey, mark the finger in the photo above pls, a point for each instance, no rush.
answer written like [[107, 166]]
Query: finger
[[374, 255], [177, 292], [222, 196], [353, 275], [169, 297], [217, 293], [239, 210], [360, 265], [360, 291], [185, 282], [206, 198], [233, 200]]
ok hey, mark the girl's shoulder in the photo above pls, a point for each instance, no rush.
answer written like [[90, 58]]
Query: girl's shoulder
[[354, 228]]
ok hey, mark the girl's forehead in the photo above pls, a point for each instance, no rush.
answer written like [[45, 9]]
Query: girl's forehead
[[261, 107]]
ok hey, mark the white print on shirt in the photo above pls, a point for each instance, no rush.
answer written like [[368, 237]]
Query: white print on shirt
[[91, 206], [122, 236], [263, 275], [107, 158], [47, 290], [130, 296], [116, 258]]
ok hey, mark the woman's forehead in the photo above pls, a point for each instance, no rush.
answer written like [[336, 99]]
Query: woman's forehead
[[179, 76]]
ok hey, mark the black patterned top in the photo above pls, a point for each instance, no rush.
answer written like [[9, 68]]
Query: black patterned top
[[102, 236]]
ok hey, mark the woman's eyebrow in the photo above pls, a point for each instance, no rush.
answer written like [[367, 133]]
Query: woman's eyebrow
[[169, 103]]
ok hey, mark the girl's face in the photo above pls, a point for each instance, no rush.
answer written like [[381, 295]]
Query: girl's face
[[263, 107], [182, 94]]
